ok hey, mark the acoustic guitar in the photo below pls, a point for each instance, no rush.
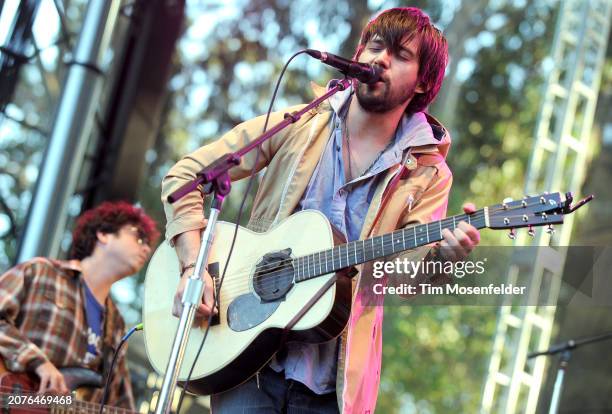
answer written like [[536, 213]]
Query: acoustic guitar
[[273, 275]]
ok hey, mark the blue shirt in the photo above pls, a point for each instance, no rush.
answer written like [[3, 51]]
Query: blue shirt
[[345, 205], [95, 314]]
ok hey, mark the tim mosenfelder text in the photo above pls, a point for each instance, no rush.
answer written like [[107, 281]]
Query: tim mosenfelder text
[[459, 269]]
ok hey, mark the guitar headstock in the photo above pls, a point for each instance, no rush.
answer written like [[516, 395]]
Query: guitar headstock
[[541, 210]]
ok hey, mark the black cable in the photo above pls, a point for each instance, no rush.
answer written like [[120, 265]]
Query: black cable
[[237, 225], [12, 231], [109, 375]]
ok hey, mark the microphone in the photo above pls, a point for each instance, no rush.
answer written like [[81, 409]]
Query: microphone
[[363, 72]]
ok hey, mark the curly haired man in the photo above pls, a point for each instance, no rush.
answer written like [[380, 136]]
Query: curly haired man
[[56, 314]]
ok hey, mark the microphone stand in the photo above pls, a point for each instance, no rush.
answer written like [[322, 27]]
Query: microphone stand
[[565, 349], [214, 179]]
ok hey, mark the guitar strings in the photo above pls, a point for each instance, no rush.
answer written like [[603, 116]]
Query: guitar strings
[[444, 224], [273, 277], [237, 279], [248, 269], [228, 295], [79, 405], [237, 276]]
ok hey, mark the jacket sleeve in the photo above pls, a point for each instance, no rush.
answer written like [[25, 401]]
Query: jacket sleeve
[[17, 351], [187, 213]]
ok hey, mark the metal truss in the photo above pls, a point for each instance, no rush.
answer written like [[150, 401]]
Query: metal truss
[[558, 163]]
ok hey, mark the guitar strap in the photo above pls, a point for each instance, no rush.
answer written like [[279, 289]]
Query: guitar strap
[[314, 299], [307, 307], [390, 189]]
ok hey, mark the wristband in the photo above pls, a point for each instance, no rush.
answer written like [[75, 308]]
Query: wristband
[[187, 267]]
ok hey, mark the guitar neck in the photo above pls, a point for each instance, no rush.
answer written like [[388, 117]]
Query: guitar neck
[[361, 251], [38, 403], [91, 408]]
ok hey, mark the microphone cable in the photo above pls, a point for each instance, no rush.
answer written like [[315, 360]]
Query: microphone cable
[[124, 339]]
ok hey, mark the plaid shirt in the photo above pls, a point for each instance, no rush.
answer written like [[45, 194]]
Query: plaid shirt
[[42, 317]]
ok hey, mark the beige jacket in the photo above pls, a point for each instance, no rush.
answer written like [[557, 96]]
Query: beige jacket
[[291, 157]]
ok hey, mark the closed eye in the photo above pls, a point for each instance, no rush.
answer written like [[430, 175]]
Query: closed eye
[[406, 54]]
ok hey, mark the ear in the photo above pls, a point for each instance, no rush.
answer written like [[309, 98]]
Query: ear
[[421, 88], [102, 237]]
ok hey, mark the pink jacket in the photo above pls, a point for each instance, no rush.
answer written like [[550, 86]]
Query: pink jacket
[[291, 158]]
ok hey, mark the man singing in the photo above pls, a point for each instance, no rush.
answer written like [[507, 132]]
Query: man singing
[[341, 160]]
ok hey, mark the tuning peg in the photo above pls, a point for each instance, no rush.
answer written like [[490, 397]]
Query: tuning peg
[[505, 202], [550, 229], [531, 231], [512, 234]]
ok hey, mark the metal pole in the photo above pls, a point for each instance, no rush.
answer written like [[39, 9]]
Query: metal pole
[[191, 299], [556, 396], [72, 127]]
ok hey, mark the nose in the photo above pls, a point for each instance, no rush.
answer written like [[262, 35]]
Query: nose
[[147, 249], [383, 58]]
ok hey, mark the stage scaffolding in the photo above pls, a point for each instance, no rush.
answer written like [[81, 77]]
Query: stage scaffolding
[[558, 163]]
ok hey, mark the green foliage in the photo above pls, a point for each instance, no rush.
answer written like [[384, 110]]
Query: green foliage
[[500, 103], [434, 357]]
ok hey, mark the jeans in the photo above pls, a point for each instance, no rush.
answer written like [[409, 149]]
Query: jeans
[[275, 394]]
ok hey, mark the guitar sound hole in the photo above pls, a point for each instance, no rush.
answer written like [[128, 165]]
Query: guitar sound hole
[[274, 275]]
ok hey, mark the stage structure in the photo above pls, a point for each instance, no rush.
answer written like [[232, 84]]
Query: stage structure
[[108, 115], [65, 152], [558, 162]]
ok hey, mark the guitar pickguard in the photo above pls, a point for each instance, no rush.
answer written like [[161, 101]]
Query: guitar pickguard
[[247, 311]]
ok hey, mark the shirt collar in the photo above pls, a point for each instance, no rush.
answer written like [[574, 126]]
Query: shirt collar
[[414, 130], [74, 265]]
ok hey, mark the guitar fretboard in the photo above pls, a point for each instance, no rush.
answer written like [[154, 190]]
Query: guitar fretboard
[[361, 251]]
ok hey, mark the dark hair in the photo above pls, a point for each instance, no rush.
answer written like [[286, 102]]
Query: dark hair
[[109, 217], [400, 24]]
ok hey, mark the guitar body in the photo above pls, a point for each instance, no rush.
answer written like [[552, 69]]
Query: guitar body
[[249, 330], [16, 388], [15, 384]]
